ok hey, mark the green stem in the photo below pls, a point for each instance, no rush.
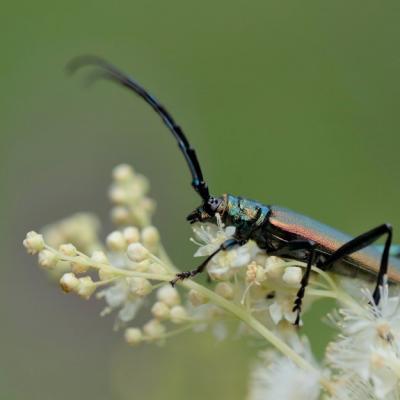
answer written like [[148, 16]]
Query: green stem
[[241, 313]]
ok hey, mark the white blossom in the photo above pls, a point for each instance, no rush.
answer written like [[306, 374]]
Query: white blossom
[[277, 377], [120, 296], [209, 237], [33, 242], [133, 336], [369, 344]]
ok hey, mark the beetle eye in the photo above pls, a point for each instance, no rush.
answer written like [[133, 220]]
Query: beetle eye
[[213, 203]]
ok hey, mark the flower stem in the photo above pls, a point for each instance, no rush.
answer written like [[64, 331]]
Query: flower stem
[[252, 322]]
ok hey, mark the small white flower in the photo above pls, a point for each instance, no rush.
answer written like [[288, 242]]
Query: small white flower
[[196, 298], [68, 250], [351, 387], [282, 308], [128, 311], [369, 345], [118, 195], [274, 267], [292, 276], [98, 257], [281, 379], [210, 237], [255, 273], [168, 295], [123, 173], [178, 314], [120, 295], [116, 241], [160, 310], [86, 287], [150, 237], [133, 336], [137, 252], [140, 286], [33, 242], [154, 329], [69, 282], [79, 267], [131, 234], [48, 259], [120, 215], [116, 294], [209, 316], [225, 290]]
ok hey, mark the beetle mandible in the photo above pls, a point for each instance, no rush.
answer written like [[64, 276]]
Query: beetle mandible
[[275, 229]]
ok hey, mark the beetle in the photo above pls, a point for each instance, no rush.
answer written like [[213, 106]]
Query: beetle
[[277, 230]]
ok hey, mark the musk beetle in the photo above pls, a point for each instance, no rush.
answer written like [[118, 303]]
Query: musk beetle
[[279, 231]]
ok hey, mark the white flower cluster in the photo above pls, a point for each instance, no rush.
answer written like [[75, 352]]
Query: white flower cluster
[[368, 350], [131, 272], [128, 195], [362, 363]]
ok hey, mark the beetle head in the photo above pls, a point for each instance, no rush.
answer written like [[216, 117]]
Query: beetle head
[[206, 212]]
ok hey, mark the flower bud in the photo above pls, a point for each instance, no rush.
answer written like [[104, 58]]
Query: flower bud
[[86, 287], [292, 275], [154, 329], [133, 336], [123, 173], [225, 290], [155, 268], [140, 286], [120, 215], [47, 259], [33, 242], [118, 195], [150, 237], [196, 298], [69, 282], [98, 257], [105, 275], [137, 252], [68, 250], [274, 267], [178, 314], [131, 234], [116, 241], [168, 295], [79, 268], [160, 310]]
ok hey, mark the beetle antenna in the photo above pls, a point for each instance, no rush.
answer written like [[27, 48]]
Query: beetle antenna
[[108, 71]]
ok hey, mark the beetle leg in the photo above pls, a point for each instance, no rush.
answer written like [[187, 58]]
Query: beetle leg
[[286, 249], [358, 243], [228, 244]]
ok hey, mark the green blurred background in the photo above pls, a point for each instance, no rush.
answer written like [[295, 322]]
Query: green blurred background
[[293, 103]]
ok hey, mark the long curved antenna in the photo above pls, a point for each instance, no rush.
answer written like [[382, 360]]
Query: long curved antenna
[[108, 71]]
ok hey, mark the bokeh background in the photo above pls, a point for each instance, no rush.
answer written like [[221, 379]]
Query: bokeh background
[[292, 103]]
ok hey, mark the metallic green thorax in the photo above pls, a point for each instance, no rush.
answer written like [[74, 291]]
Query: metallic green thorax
[[246, 215]]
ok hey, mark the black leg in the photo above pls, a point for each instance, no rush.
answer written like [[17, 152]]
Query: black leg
[[286, 249], [228, 244], [358, 243]]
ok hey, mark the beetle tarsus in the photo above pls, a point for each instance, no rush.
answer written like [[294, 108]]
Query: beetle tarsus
[[183, 275], [297, 308]]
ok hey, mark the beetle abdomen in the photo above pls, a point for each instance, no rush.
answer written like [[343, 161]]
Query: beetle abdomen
[[287, 225]]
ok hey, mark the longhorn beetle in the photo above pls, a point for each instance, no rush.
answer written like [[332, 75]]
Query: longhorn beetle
[[275, 229]]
